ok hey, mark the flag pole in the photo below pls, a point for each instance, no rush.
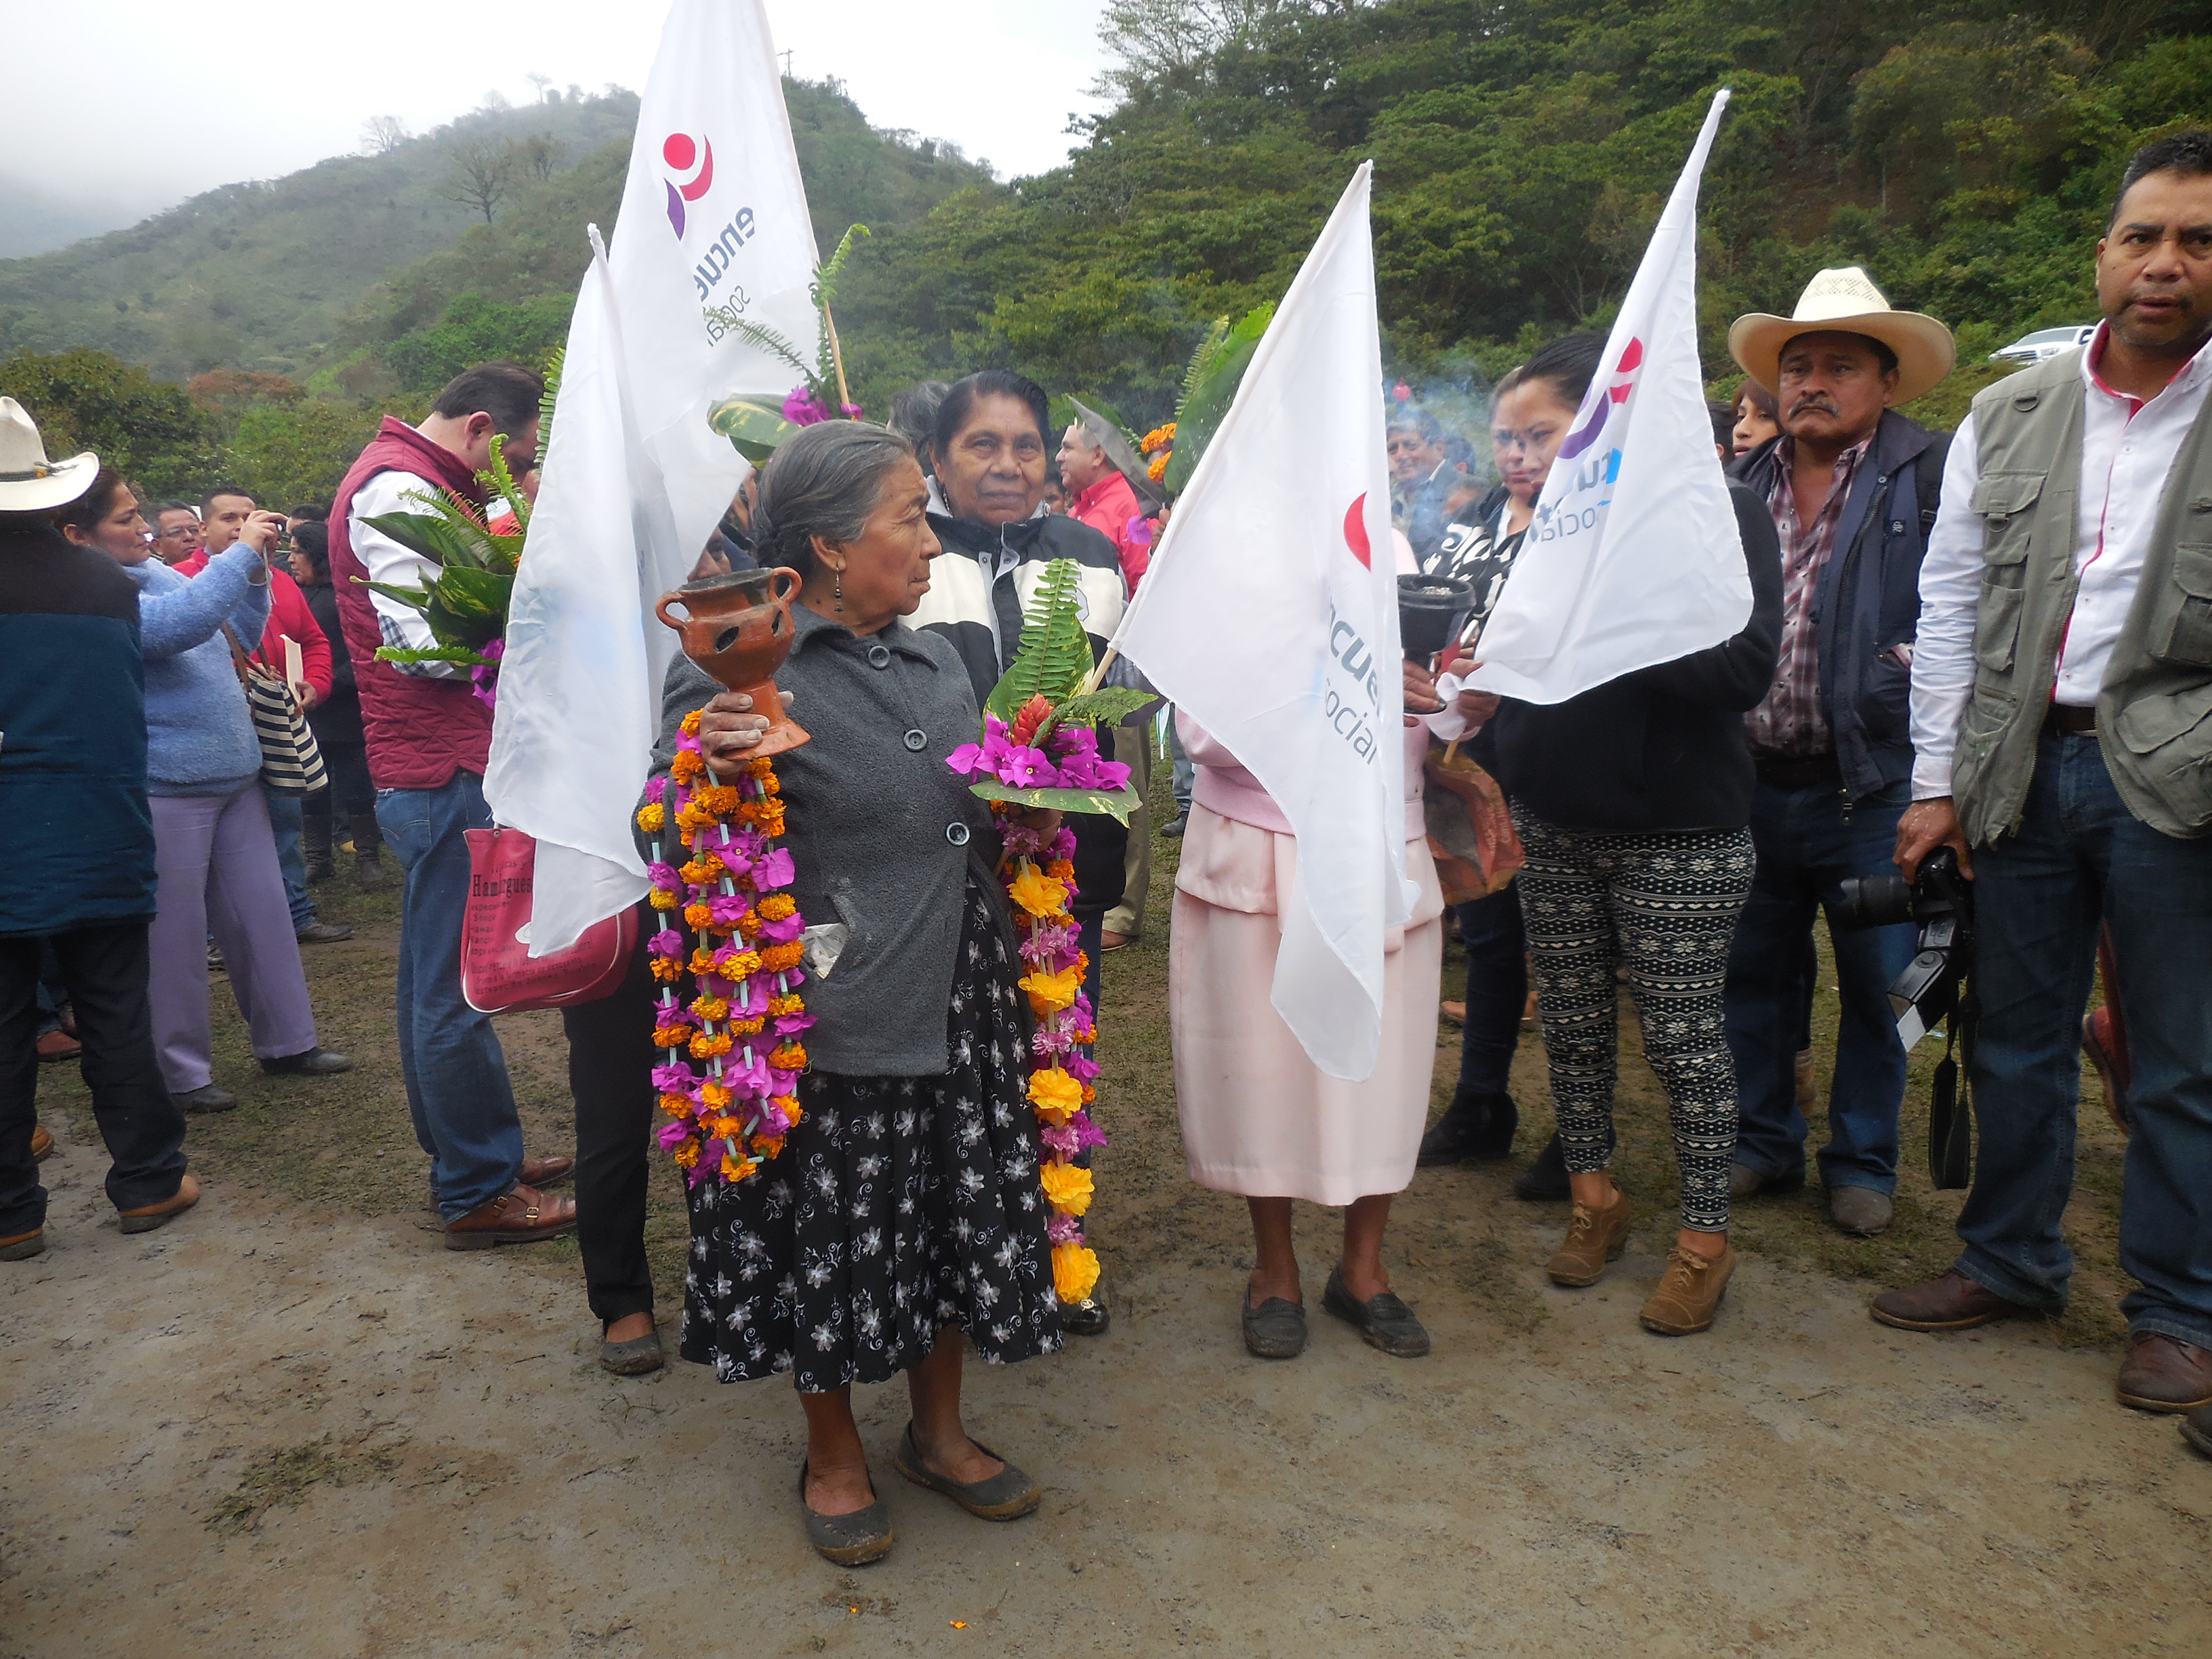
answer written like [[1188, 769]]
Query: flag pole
[[837, 357]]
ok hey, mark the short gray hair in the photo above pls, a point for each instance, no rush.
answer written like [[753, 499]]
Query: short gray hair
[[825, 482]]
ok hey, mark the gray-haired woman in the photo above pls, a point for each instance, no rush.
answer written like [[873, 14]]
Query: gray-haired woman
[[905, 1207]]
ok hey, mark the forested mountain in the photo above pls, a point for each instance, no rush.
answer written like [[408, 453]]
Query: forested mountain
[[1965, 151], [256, 275]]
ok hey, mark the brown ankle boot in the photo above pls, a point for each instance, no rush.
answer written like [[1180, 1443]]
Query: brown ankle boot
[[1594, 1238], [1689, 1292]]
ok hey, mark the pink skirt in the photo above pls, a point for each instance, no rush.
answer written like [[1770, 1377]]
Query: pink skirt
[[1258, 1117]]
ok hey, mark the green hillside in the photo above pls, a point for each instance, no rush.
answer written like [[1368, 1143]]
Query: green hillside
[[257, 275]]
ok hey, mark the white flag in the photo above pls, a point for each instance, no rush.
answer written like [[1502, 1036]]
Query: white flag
[[1633, 557], [714, 226], [1270, 612]]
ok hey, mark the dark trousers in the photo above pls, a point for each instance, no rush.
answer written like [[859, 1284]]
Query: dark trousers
[[610, 1061], [1808, 842], [1496, 990], [349, 793], [2080, 859], [104, 969]]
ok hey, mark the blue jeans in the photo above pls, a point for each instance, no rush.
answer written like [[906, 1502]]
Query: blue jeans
[[1496, 990], [1806, 843], [286, 817], [458, 1092], [2080, 857]]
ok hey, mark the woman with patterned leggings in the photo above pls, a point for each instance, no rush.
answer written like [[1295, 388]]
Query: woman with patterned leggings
[[1632, 801]]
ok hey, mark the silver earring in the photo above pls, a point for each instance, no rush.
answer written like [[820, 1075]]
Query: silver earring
[[838, 590]]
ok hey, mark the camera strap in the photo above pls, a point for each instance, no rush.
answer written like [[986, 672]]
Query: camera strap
[[1950, 1105]]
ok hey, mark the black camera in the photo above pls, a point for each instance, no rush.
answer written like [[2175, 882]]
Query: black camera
[[1936, 985]]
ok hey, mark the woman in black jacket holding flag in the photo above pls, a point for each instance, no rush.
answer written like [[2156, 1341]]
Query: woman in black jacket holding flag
[[1633, 802]]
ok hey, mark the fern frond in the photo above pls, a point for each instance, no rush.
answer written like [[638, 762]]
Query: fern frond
[[500, 482], [1201, 357], [825, 279], [1054, 656], [765, 339], [553, 362]]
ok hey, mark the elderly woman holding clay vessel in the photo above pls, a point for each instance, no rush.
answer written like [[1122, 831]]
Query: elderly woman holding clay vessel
[[904, 1208]]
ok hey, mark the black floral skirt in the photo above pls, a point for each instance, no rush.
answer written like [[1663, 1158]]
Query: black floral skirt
[[898, 1205]]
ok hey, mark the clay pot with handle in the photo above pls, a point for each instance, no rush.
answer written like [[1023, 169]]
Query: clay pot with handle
[[737, 627]]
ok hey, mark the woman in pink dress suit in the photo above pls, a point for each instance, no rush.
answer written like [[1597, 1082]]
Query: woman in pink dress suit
[[1260, 1118]]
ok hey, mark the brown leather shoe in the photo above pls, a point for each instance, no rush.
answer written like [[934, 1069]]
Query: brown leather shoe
[[1594, 1238], [522, 1216], [544, 1171], [2162, 1373], [58, 1045], [147, 1217], [1689, 1292], [42, 1143], [1952, 1303]]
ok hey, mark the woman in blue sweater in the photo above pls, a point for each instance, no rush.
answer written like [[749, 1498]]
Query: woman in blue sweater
[[214, 856]]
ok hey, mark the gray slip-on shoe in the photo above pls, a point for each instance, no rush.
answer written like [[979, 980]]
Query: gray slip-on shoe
[[1384, 1320], [634, 1357], [1006, 1495], [850, 1540]]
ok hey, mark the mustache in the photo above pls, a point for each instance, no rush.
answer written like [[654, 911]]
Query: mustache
[[1813, 400]]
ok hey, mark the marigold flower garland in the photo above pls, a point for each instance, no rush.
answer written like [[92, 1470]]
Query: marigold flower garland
[[1039, 873], [744, 1017]]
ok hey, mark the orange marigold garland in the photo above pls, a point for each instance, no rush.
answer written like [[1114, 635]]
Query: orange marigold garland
[[1040, 878], [743, 1016]]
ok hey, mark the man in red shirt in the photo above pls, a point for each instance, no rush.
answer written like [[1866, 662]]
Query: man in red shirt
[[224, 511]]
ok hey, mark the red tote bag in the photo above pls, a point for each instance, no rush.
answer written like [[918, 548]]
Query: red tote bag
[[498, 973]]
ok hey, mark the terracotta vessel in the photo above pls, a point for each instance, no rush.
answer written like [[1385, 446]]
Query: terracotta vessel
[[738, 628]]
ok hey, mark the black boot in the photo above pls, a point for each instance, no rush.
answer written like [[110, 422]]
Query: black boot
[[315, 843], [1546, 1178], [367, 869], [1475, 1128]]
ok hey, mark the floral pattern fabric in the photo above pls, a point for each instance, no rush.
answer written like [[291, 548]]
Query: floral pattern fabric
[[899, 1205]]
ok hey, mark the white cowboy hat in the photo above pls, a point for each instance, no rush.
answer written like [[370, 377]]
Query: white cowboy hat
[[29, 483], [1846, 301]]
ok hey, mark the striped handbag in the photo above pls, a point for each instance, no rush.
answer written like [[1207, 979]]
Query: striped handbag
[[291, 759]]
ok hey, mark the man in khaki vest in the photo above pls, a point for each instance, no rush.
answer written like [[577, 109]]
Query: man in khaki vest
[[2061, 717]]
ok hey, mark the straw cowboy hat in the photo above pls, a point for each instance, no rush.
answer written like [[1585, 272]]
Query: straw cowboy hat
[[1846, 301], [29, 483]]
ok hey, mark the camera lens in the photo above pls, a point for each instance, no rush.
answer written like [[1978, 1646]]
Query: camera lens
[[1874, 902]]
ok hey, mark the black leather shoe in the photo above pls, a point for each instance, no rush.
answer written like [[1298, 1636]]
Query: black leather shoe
[[206, 1098], [1475, 1128], [1174, 827], [1384, 1321], [1276, 1329], [1088, 1317], [314, 1062], [1546, 1178]]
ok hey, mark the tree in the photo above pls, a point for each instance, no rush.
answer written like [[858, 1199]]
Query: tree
[[539, 155], [382, 134], [480, 173], [147, 429], [540, 81]]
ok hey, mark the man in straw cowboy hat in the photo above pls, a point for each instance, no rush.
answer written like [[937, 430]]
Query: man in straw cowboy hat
[[1852, 485], [76, 844], [2062, 710]]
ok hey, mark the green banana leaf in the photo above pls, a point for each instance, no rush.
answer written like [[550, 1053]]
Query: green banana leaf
[[1213, 388], [1116, 804], [754, 425]]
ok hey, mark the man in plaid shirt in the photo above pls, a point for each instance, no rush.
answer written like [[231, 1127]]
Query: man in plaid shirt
[[1852, 485]]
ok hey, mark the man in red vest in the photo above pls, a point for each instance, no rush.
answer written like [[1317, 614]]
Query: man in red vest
[[429, 737]]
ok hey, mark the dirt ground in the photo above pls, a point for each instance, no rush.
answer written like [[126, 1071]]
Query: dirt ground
[[291, 1422]]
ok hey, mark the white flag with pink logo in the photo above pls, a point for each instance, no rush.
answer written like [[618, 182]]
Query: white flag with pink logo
[[714, 226], [1269, 613], [1633, 557]]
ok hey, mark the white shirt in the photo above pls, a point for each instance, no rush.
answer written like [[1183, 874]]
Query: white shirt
[[2128, 448], [388, 562]]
